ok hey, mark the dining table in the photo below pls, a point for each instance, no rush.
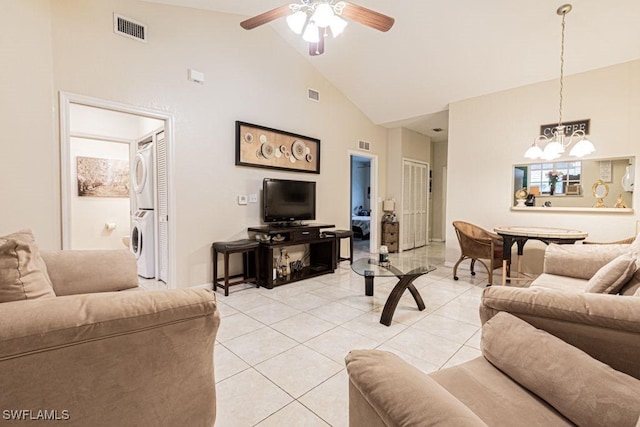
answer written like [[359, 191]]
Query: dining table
[[521, 234]]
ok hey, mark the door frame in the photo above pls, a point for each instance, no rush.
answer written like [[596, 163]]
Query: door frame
[[373, 181], [68, 98], [409, 159]]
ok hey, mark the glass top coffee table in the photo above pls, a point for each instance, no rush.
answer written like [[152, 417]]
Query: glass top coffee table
[[405, 269]]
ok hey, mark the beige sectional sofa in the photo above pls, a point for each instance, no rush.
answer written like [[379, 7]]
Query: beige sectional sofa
[[92, 355], [570, 267], [551, 357]]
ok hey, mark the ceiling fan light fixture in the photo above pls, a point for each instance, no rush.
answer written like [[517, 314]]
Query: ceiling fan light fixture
[[296, 21], [337, 25], [322, 15], [311, 34]]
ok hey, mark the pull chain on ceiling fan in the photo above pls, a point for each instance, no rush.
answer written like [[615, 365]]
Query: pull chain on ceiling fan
[[313, 19]]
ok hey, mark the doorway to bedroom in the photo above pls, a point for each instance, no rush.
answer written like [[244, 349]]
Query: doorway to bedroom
[[361, 203]]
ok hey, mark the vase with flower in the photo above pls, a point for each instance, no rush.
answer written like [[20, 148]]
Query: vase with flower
[[553, 176]]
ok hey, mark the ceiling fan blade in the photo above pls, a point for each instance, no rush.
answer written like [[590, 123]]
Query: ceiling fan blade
[[368, 17], [263, 18], [316, 49]]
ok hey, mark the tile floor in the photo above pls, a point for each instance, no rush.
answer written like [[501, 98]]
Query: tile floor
[[279, 355]]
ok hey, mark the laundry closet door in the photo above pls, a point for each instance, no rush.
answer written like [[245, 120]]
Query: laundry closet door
[[163, 207], [415, 204]]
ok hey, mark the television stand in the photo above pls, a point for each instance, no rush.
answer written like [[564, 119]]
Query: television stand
[[288, 224], [322, 252]]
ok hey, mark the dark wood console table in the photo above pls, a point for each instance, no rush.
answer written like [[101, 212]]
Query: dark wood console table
[[322, 252]]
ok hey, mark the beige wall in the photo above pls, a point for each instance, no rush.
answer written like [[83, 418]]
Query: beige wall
[[489, 134], [252, 76], [29, 154], [416, 146], [438, 203]]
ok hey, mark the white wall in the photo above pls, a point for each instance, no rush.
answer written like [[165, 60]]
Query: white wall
[[252, 76], [489, 134], [29, 154]]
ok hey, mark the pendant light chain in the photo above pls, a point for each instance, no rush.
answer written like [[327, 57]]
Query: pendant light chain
[[555, 144], [564, 15]]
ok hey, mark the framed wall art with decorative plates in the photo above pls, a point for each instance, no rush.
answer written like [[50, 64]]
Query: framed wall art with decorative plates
[[263, 147]]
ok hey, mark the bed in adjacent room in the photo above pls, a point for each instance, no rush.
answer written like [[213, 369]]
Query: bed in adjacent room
[[360, 226]]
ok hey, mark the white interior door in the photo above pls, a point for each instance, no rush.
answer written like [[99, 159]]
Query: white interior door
[[415, 204]]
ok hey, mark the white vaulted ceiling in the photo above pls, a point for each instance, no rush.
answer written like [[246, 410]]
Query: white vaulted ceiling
[[443, 51]]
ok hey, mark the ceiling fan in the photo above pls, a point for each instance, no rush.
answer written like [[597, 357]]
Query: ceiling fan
[[313, 19]]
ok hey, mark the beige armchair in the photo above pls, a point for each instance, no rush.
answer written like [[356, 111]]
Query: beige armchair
[[99, 357], [478, 244]]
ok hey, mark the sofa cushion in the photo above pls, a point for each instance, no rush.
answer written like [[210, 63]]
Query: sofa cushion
[[635, 246], [610, 278], [562, 283], [23, 273], [580, 261], [401, 394], [581, 388], [494, 397]]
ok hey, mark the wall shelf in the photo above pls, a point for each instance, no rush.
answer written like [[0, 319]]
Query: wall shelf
[[569, 209]]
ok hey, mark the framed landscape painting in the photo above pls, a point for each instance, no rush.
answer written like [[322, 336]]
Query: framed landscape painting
[[98, 177]]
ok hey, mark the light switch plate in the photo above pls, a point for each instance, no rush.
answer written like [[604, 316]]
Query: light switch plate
[[242, 200], [253, 198]]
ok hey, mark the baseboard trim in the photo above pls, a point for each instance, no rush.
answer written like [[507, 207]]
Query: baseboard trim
[[203, 286]]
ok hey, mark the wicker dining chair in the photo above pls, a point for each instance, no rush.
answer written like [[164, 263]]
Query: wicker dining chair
[[478, 244]]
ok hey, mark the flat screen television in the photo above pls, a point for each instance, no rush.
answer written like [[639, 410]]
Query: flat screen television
[[287, 200]]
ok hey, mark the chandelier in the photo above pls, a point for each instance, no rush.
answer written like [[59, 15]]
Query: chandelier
[[555, 145], [311, 18]]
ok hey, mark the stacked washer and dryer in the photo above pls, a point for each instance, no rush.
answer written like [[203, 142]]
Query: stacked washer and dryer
[[143, 221]]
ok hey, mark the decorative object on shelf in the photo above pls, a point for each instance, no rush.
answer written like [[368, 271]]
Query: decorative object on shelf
[[277, 149], [620, 203], [553, 176], [521, 196], [600, 190], [556, 144], [314, 18], [389, 207], [531, 200], [628, 179]]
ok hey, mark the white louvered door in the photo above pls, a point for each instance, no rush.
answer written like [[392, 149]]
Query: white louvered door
[[163, 207], [415, 204]]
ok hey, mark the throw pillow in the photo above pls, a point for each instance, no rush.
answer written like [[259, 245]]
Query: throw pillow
[[583, 389], [635, 246], [612, 276], [23, 273], [632, 284]]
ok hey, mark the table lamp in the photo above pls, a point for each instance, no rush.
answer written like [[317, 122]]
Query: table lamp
[[389, 207]]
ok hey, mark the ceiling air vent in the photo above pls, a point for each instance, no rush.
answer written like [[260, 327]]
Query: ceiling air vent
[[313, 95], [364, 145], [129, 28]]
